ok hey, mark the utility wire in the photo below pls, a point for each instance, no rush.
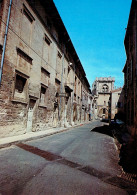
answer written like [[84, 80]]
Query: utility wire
[[31, 48]]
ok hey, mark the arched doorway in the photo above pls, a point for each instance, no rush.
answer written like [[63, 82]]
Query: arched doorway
[[103, 113]]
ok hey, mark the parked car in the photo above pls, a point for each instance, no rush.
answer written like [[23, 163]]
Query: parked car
[[105, 120], [116, 123]]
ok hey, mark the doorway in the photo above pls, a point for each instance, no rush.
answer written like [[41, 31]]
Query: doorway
[[32, 103]]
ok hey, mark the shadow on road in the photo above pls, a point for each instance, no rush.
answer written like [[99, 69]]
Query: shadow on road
[[127, 146], [103, 130]]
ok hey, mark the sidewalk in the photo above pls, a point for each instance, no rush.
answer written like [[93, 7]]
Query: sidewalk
[[8, 141]]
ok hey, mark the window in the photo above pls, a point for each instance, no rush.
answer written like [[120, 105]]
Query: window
[[59, 66], [1, 4], [43, 95], [57, 82], [105, 88], [23, 55], [45, 72], [104, 111], [0, 49], [57, 85], [46, 48], [20, 83], [20, 92], [74, 96], [26, 25], [69, 69], [78, 100], [24, 62], [59, 55], [27, 13], [32, 103], [45, 75], [47, 40], [75, 85]]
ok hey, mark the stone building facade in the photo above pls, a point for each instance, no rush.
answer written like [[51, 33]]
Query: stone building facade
[[116, 103], [43, 81], [130, 70], [101, 89]]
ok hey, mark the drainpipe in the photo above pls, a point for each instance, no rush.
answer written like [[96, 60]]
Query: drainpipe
[[5, 40]]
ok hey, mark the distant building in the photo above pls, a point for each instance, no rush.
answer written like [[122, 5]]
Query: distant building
[[130, 70], [116, 103], [101, 90]]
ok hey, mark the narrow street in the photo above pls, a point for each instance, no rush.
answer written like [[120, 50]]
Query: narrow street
[[76, 162]]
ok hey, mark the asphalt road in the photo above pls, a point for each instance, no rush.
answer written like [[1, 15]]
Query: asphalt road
[[75, 162]]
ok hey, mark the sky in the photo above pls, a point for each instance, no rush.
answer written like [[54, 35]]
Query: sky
[[97, 31]]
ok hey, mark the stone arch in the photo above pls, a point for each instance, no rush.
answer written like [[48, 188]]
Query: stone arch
[[103, 113]]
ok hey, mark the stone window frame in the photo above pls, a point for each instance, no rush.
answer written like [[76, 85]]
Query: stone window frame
[[17, 99], [45, 71], [57, 83], [47, 40], [59, 55], [41, 104], [19, 87], [46, 75], [1, 49], [28, 14], [57, 88], [69, 69], [1, 2], [75, 84], [58, 65], [25, 56]]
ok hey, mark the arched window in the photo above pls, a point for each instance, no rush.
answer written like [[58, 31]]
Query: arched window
[[105, 88]]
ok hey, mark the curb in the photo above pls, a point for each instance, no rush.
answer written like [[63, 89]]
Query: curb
[[5, 145], [8, 144]]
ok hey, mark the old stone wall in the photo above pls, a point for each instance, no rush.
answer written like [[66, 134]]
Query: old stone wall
[[39, 87], [116, 102]]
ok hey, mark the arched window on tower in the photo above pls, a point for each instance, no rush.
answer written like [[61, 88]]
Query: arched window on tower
[[105, 88]]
